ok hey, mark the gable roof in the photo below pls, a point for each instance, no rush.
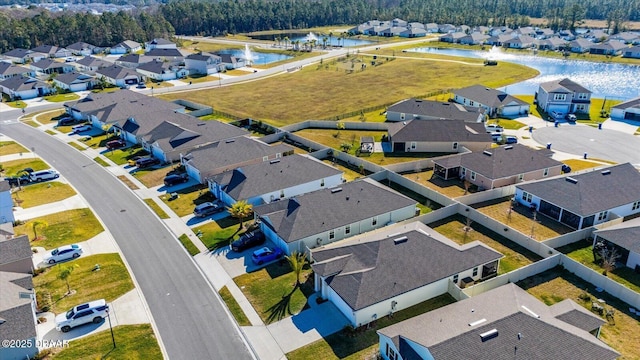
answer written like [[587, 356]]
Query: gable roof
[[437, 109], [613, 45], [22, 83], [629, 104], [135, 58], [81, 46], [522, 324], [592, 192], [564, 86], [439, 131], [203, 56], [117, 72], [487, 96], [625, 235], [93, 61], [377, 267], [161, 41], [165, 53], [46, 64], [47, 49], [16, 311], [73, 78], [14, 249], [128, 44], [327, 209], [268, 176], [505, 161], [18, 53], [156, 67], [10, 69]]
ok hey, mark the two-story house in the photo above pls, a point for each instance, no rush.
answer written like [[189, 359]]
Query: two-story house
[[563, 96]]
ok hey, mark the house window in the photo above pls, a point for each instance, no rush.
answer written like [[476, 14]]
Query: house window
[[526, 196], [559, 97], [347, 229], [322, 183], [391, 354], [374, 222], [475, 271], [583, 96], [603, 215], [455, 278], [455, 146], [546, 172], [473, 175], [521, 177], [265, 158], [581, 108], [281, 194], [413, 145], [636, 205], [332, 235]]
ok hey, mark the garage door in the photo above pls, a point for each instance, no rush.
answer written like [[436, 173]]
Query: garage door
[[398, 147], [631, 116]]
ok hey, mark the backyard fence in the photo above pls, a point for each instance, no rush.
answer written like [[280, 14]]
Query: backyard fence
[[199, 109], [487, 195], [569, 238]]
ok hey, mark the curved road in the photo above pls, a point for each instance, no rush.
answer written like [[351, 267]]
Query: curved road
[[189, 317]]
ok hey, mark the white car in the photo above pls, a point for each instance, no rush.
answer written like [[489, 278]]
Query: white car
[[91, 312], [494, 129], [81, 128], [63, 253]]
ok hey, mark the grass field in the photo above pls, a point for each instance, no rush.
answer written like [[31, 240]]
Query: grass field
[[450, 188], [62, 228], [317, 94], [62, 97], [334, 138], [578, 165], [156, 208], [11, 147], [76, 146], [151, 177], [234, 307], [121, 156], [109, 283], [187, 199], [42, 193], [220, 233], [186, 242], [12, 167]]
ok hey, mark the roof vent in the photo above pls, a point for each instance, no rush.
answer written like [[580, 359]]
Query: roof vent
[[230, 140], [400, 240], [606, 172], [274, 161], [336, 190], [477, 322], [508, 147], [571, 180], [488, 335], [488, 153]]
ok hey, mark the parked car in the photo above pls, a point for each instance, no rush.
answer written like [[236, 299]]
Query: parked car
[[116, 144], [571, 118], [175, 179], [91, 312], [146, 161], [266, 254], [66, 121], [493, 129], [566, 168], [43, 175], [18, 180], [80, 128], [206, 209], [496, 137], [509, 139], [141, 86], [248, 240], [63, 253], [557, 115]]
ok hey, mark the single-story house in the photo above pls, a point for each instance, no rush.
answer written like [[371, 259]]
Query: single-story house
[[545, 33], [632, 52], [231, 62], [552, 43], [495, 102], [8, 70], [159, 43], [596, 35], [17, 55], [453, 37], [580, 45], [627, 37], [475, 38], [519, 42], [564, 96], [127, 46], [132, 61], [394, 31], [625, 237], [376, 274], [82, 48], [628, 110], [587, 199], [503, 323], [74, 81], [331, 214], [209, 160], [499, 39], [174, 56], [17, 316], [6, 203], [91, 64], [438, 136], [52, 51], [413, 32], [501, 166], [118, 75], [431, 28], [20, 87], [203, 63], [15, 254], [446, 28], [611, 47], [273, 180], [416, 109], [50, 66], [160, 71]]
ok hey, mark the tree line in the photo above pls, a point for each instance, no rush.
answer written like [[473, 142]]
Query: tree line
[[211, 18]]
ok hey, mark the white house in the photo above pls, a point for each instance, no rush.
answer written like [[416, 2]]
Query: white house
[[438, 136], [74, 81], [203, 63], [81, 48], [273, 180], [625, 237], [495, 102], [564, 96], [159, 43], [376, 274], [161, 71], [118, 75], [20, 87], [127, 46], [628, 110]]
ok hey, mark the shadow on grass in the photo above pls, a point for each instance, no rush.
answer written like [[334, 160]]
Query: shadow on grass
[[282, 308]]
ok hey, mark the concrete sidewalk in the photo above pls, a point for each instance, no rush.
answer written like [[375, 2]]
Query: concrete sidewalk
[[74, 202]]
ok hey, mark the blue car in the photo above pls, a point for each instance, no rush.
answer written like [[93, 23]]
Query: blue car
[[265, 255], [511, 140]]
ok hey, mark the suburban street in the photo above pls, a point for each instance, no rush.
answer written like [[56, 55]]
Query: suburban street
[[188, 315]]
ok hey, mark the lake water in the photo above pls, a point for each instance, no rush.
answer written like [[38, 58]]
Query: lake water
[[259, 58], [302, 37], [610, 80]]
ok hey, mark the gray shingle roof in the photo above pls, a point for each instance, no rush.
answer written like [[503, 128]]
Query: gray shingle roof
[[488, 96], [46, 64], [564, 86], [437, 109], [511, 312], [625, 235], [73, 77], [135, 58], [633, 103], [328, 209], [176, 53], [21, 83], [593, 192], [439, 131], [574, 314], [116, 72], [81, 46], [93, 61], [269, 176], [128, 44], [202, 56], [10, 69], [17, 53], [15, 249], [16, 311], [47, 49], [160, 41], [377, 268], [156, 67]]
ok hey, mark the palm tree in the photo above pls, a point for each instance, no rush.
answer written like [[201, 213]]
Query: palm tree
[[324, 42], [64, 274], [286, 41], [297, 261], [240, 210], [330, 35], [34, 226]]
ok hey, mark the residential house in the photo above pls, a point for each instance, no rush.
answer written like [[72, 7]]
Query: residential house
[[627, 37], [431, 28], [399, 23], [519, 42], [413, 32], [394, 31], [231, 62], [206, 161], [50, 66], [377, 274], [623, 238], [567, 35], [564, 96], [500, 324], [52, 51], [91, 64], [416, 109], [499, 39], [17, 316], [82, 48], [159, 43], [203, 63], [132, 61], [273, 180], [438, 136], [453, 37], [118, 75], [475, 38], [74, 81], [173, 56], [552, 43], [596, 35], [496, 167], [628, 110], [22, 88], [446, 28], [580, 45], [8, 70], [611, 48], [495, 102], [127, 46], [15, 254], [632, 52], [6, 203], [331, 214], [545, 33], [525, 31], [17, 55], [587, 199], [161, 71], [415, 25]]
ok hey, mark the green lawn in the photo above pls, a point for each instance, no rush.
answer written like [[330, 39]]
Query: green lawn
[[188, 244], [234, 307], [425, 205], [334, 138], [578, 164], [515, 256], [12, 167], [62, 97], [120, 156], [271, 291], [133, 342], [11, 147], [349, 173], [18, 104], [187, 199], [220, 233], [100, 161], [99, 140], [156, 208], [508, 123], [363, 343], [152, 176], [63, 228], [77, 146], [109, 283], [42, 193]]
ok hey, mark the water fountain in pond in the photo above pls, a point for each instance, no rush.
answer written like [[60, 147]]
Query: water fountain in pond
[[311, 37], [248, 57]]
